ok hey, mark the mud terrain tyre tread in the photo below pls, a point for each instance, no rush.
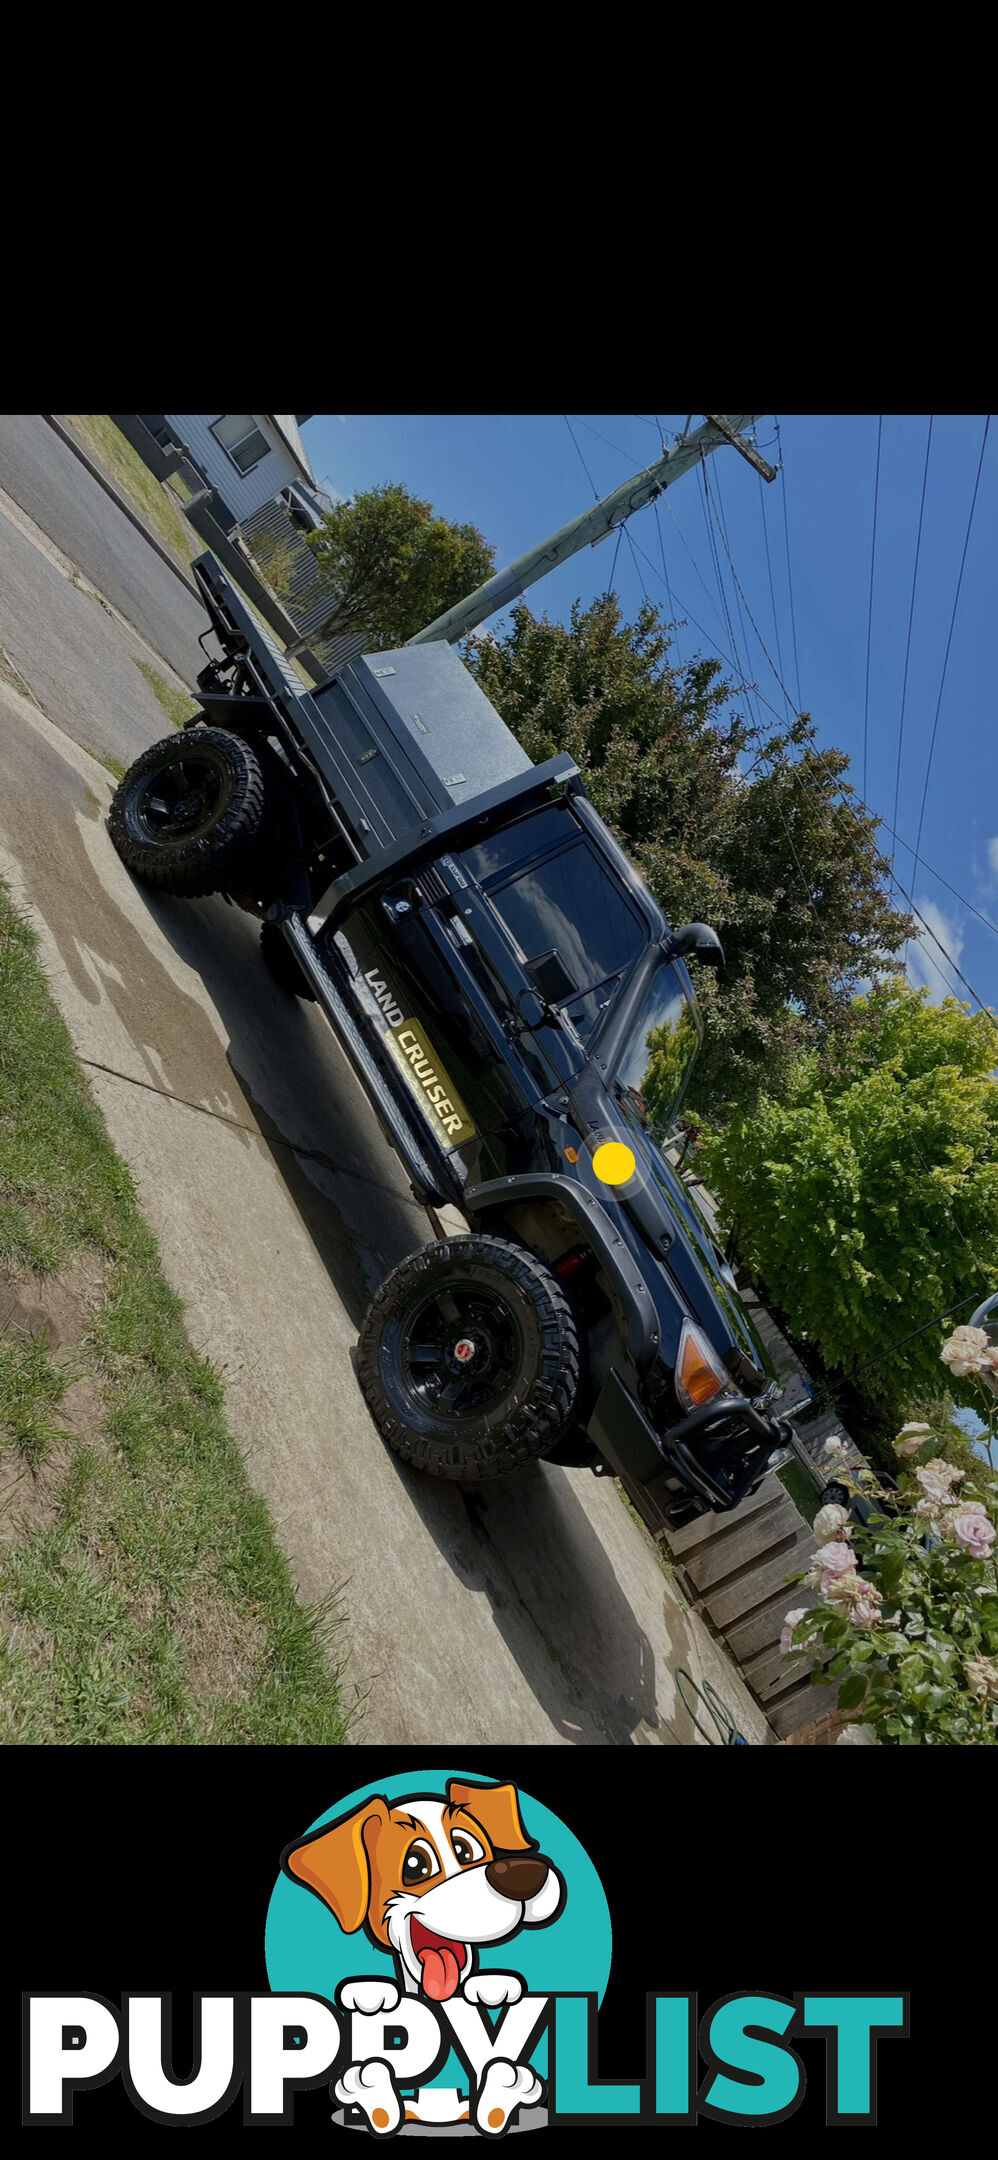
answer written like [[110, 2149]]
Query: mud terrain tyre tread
[[488, 1446], [204, 861]]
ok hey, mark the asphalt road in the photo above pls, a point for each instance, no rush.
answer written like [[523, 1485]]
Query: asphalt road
[[45, 478], [76, 659]]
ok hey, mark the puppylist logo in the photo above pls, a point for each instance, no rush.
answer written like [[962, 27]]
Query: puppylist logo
[[437, 1952]]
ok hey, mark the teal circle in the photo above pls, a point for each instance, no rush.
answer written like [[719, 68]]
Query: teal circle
[[307, 1952]]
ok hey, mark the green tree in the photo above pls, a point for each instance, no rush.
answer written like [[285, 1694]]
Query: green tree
[[793, 880], [392, 565], [865, 1198]]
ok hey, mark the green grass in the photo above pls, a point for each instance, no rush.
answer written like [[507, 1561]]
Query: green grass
[[112, 450], [31, 1388], [801, 1487], [142, 1593], [176, 704]]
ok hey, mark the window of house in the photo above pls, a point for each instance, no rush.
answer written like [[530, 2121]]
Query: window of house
[[299, 511], [241, 440]]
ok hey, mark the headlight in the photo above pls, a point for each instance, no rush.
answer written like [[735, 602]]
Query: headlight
[[700, 1375]]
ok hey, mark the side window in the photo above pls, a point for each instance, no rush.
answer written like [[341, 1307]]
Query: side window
[[569, 902], [241, 440]]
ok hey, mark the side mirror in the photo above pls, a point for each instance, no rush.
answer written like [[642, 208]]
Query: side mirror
[[695, 941]]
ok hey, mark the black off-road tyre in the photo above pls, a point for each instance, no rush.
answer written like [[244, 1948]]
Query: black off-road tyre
[[188, 816], [280, 962], [516, 1393]]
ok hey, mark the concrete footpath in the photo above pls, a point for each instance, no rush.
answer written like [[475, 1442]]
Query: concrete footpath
[[533, 1610]]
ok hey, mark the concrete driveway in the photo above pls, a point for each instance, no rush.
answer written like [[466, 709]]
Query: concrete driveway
[[532, 1610]]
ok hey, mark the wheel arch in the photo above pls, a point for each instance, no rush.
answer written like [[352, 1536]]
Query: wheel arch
[[503, 1198]]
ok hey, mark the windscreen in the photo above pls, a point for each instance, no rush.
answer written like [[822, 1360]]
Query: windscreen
[[566, 901], [657, 1059]]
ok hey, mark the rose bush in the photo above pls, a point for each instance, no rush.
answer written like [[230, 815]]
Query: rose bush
[[908, 1601]]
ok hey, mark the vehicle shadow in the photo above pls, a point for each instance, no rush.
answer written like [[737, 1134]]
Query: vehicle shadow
[[346, 1184], [526, 1542]]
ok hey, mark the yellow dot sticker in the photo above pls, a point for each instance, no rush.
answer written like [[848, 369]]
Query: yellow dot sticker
[[614, 1163]]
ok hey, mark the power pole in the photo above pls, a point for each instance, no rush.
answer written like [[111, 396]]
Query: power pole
[[594, 525]]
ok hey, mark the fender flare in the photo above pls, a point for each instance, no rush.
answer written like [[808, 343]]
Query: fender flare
[[598, 1232]]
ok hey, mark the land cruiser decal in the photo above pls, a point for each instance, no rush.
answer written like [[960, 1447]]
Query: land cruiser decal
[[411, 1046]]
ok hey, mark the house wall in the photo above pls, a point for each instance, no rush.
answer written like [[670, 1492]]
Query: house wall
[[242, 493]]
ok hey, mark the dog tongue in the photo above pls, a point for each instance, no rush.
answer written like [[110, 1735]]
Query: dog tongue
[[441, 1971]]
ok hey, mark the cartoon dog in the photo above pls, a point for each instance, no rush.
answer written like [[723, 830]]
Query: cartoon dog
[[432, 1880]]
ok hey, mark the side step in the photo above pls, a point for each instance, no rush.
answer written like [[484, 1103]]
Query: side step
[[429, 1182]]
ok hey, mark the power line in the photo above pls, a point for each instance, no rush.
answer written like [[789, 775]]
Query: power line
[[708, 513], [894, 835], [869, 615], [703, 581], [724, 536], [665, 574], [843, 805], [581, 459], [740, 589], [911, 618], [786, 535], [970, 1298], [949, 640], [778, 675], [628, 454], [794, 768], [937, 874], [772, 589], [741, 671], [644, 589]]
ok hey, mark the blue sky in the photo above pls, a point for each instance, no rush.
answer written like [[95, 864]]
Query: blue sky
[[518, 477]]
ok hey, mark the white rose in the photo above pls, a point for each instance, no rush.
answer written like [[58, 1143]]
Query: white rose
[[834, 1558], [936, 1478], [966, 1351], [831, 1521]]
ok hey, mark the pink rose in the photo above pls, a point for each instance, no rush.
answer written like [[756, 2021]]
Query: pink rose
[[864, 1613], [972, 1527]]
